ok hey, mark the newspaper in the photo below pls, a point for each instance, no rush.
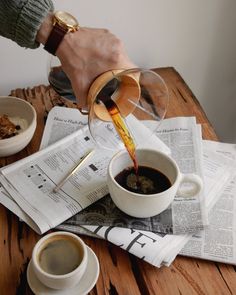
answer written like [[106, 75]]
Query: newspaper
[[62, 123], [30, 181], [26, 186], [217, 241]]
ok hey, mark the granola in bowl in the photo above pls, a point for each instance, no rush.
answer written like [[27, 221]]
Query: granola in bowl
[[18, 120], [7, 128]]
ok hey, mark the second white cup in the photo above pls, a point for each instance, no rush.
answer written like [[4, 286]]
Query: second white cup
[[59, 260]]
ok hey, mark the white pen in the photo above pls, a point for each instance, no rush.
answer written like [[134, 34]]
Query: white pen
[[60, 184]]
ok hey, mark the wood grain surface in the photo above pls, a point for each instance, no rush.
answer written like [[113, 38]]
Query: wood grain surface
[[120, 272]]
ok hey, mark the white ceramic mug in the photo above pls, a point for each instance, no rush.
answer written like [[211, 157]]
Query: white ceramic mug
[[142, 205], [59, 260]]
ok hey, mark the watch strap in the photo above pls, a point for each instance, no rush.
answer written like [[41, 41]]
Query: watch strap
[[55, 38]]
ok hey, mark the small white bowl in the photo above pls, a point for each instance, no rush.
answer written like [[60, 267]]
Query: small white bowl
[[19, 112]]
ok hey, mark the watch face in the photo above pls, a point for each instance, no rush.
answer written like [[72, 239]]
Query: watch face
[[66, 19]]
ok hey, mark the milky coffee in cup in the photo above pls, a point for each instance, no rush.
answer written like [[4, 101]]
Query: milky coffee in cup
[[60, 256], [59, 260]]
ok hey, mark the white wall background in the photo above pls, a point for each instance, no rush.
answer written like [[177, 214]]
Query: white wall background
[[196, 37]]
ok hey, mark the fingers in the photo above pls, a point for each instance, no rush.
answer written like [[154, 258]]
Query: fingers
[[80, 85]]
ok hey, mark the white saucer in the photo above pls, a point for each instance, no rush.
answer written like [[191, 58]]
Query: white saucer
[[85, 285]]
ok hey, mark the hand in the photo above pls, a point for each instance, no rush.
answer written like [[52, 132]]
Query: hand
[[86, 54]]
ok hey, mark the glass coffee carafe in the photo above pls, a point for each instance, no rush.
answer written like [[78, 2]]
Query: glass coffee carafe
[[135, 94]]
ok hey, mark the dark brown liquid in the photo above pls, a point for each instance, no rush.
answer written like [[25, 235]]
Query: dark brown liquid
[[122, 130], [150, 180], [105, 95]]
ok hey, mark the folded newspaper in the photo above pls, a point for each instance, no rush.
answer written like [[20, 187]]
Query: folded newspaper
[[26, 187]]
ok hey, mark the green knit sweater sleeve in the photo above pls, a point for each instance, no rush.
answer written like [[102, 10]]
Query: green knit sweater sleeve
[[21, 19]]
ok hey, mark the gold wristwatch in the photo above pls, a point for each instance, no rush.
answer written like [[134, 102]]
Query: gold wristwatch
[[63, 23]]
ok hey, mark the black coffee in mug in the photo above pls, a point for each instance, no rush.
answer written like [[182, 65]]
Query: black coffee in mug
[[147, 181]]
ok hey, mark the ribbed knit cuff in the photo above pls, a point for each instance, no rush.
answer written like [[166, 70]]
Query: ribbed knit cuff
[[29, 21]]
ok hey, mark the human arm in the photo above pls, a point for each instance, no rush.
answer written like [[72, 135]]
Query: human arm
[[20, 20]]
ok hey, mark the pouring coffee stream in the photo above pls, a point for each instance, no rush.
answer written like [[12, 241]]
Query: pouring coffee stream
[[105, 96]]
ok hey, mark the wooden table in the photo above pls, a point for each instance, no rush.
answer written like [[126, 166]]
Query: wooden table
[[120, 272]]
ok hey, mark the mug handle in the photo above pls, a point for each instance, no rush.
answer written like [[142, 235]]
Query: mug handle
[[196, 185]]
